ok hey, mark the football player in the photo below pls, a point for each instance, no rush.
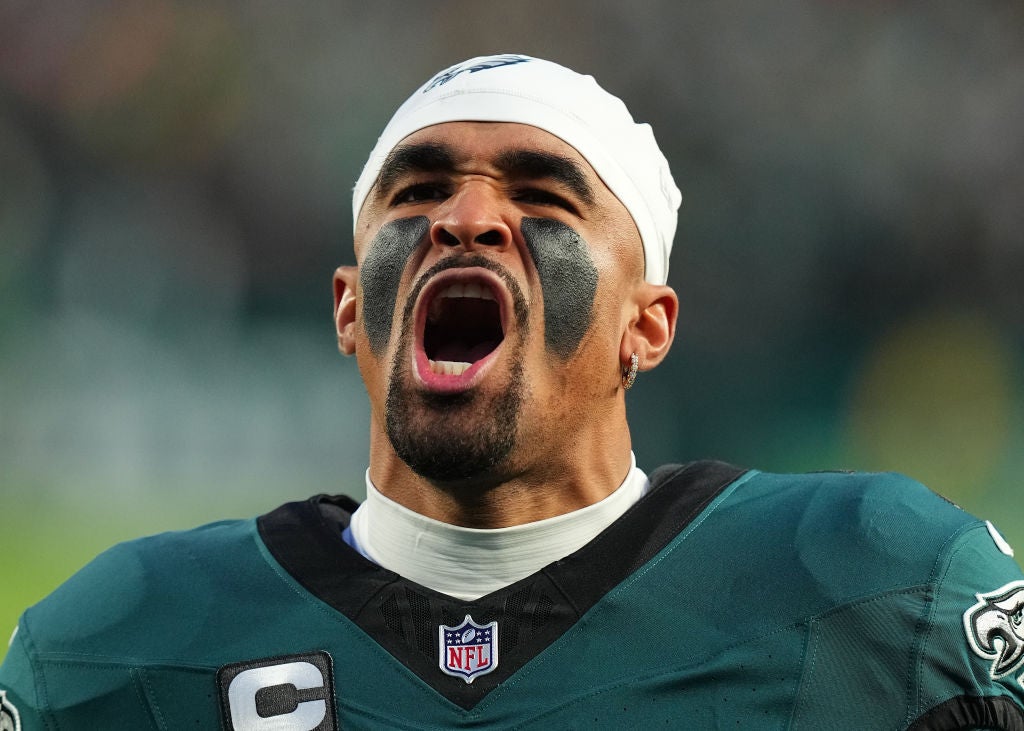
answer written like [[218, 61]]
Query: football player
[[512, 566]]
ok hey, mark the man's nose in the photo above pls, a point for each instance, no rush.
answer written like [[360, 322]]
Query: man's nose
[[472, 218]]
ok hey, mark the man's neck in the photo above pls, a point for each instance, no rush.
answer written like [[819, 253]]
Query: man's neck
[[535, 492], [467, 562]]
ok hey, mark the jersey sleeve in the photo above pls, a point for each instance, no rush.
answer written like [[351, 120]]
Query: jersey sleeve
[[20, 702], [971, 667]]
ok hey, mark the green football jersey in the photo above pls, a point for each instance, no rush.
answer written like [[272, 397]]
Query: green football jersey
[[723, 599]]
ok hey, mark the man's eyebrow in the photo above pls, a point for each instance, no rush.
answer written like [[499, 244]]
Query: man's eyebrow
[[433, 157], [520, 163], [424, 157]]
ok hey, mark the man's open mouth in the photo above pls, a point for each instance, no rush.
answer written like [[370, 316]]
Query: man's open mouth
[[460, 324]]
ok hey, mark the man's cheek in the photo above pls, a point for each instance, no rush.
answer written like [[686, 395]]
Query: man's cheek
[[381, 272], [568, 280]]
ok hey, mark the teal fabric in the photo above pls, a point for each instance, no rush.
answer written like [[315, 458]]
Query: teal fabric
[[793, 601]]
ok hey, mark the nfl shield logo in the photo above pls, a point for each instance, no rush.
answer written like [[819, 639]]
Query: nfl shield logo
[[468, 650]]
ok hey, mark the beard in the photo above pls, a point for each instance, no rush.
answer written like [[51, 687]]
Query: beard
[[451, 438]]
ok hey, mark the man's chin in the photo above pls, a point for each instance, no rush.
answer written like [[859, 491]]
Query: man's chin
[[451, 463], [453, 438]]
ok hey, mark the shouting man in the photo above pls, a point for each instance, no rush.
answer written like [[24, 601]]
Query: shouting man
[[511, 566]]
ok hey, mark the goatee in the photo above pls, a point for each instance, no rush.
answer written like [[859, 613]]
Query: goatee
[[450, 438]]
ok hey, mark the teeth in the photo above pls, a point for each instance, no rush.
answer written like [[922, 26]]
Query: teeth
[[471, 289], [448, 367], [453, 290]]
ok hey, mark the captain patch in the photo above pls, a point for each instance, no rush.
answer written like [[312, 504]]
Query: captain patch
[[289, 693]]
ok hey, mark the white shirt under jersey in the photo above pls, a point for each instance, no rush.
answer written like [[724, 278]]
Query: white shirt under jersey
[[470, 562]]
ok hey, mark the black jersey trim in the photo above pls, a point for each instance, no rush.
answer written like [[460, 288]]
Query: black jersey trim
[[678, 494], [970, 713], [403, 616]]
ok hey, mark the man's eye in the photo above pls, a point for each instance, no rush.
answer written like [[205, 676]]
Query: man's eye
[[419, 193], [537, 197]]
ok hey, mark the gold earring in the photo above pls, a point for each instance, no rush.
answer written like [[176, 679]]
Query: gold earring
[[629, 375]]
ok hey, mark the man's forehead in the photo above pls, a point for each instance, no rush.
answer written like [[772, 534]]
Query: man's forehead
[[506, 150], [488, 140]]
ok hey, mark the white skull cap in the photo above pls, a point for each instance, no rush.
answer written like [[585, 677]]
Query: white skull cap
[[569, 105]]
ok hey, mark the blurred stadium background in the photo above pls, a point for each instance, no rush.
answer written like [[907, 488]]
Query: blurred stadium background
[[174, 197]]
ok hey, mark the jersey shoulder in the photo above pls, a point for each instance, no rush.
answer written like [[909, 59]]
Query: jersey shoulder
[[838, 586], [860, 528], [161, 581], [891, 554]]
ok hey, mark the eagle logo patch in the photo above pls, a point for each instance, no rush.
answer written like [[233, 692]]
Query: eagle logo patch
[[9, 718], [995, 628]]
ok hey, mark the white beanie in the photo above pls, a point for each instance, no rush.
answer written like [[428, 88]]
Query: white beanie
[[571, 106]]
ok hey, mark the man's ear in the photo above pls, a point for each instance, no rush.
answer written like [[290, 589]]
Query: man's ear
[[650, 334], [346, 279]]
